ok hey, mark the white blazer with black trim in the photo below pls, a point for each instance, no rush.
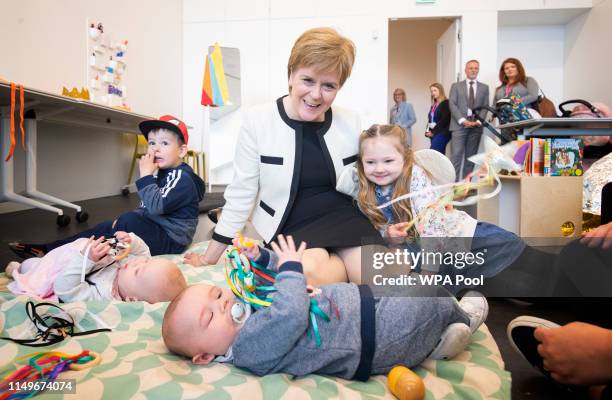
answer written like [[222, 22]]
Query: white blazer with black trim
[[267, 170]]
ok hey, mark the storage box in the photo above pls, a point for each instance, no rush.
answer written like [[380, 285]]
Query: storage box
[[536, 206]]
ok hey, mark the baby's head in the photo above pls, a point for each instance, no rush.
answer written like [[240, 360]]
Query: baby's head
[[149, 279], [198, 323], [385, 160]]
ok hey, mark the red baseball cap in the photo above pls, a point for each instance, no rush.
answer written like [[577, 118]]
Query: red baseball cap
[[165, 122]]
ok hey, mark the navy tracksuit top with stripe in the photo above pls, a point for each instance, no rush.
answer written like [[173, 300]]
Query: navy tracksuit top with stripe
[[171, 200]]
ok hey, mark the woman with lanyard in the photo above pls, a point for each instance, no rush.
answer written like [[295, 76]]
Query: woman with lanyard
[[289, 155], [515, 82], [402, 113], [438, 119]]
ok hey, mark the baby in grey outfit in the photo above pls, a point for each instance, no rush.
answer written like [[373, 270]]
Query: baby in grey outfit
[[364, 335]]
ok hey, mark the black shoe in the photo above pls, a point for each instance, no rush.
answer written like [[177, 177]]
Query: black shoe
[[520, 333], [214, 214], [26, 251]]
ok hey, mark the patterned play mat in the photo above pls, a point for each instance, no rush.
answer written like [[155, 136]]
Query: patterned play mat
[[137, 365]]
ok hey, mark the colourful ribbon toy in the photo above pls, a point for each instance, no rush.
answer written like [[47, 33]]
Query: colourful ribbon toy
[[44, 366], [241, 279]]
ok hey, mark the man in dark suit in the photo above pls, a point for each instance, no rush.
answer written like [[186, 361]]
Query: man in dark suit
[[466, 130]]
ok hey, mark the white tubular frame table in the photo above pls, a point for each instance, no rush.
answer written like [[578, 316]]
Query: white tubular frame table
[[56, 109]]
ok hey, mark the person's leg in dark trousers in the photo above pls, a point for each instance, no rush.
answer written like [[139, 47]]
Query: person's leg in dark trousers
[[471, 148], [606, 203], [578, 271], [585, 271], [509, 267], [152, 234], [531, 275], [102, 229], [439, 141], [458, 143]]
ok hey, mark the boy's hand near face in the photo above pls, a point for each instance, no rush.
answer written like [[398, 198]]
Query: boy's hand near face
[[147, 165], [286, 251]]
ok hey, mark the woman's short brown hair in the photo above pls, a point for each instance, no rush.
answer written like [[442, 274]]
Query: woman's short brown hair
[[325, 50]]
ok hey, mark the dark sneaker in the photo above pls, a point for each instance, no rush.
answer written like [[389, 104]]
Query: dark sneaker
[[520, 333], [27, 250]]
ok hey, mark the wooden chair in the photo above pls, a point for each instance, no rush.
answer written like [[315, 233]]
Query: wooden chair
[[193, 160]]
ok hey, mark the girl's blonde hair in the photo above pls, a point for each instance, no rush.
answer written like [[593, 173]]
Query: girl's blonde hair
[[366, 198], [440, 88]]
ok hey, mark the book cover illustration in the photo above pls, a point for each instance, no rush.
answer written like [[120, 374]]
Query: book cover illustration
[[566, 157]]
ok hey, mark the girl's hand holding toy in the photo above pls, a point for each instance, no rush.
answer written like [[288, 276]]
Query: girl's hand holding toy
[[397, 230]]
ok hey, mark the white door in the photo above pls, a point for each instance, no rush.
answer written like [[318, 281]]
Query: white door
[[449, 56]]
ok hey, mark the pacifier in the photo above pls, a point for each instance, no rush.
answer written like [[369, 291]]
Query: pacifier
[[240, 312]]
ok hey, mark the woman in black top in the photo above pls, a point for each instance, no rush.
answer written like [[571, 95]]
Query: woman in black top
[[438, 119], [289, 156]]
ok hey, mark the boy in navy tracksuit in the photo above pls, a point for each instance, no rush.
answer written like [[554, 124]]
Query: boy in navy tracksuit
[[168, 213]]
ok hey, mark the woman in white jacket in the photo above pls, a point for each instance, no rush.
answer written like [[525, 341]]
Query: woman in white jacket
[[289, 155]]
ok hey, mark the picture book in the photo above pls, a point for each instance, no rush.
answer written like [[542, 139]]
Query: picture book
[[566, 157]]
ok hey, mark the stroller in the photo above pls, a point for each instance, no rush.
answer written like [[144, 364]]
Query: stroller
[[584, 109], [511, 110], [506, 110], [505, 135]]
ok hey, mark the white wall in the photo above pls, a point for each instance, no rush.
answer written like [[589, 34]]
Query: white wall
[[264, 31], [588, 60], [540, 50], [412, 66], [43, 46]]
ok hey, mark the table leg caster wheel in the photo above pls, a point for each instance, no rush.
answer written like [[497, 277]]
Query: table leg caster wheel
[[62, 220], [82, 216]]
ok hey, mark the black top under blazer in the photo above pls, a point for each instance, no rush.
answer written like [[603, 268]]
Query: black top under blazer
[[441, 118]]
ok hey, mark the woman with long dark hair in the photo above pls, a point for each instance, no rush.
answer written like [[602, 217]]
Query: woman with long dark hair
[[514, 81]]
